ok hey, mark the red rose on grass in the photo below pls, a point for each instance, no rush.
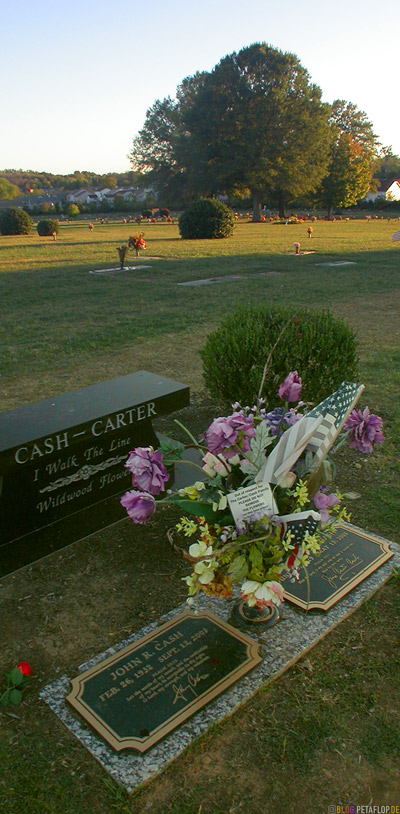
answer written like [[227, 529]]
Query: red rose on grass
[[25, 668]]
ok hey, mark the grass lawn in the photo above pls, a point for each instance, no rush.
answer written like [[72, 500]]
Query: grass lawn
[[328, 731]]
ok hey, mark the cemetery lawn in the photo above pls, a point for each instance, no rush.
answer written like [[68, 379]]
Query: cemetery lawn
[[328, 731]]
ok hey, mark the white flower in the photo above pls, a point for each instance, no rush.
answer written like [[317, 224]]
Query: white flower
[[200, 549], [222, 503], [205, 571], [288, 480], [261, 593], [191, 582]]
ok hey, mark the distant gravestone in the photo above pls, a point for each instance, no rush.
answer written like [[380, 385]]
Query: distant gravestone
[[62, 461]]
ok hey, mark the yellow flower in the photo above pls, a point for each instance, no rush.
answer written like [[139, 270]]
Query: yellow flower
[[301, 494], [205, 533], [187, 525], [192, 491], [287, 541]]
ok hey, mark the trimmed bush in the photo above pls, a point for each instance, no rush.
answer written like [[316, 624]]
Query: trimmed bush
[[147, 213], [15, 221], [72, 210], [206, 219], [164, 213], [321, 348], [47, 227]]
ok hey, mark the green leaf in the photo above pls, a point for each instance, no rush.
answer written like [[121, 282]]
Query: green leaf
[[238, 568], [4, 700], [15, 697], [16, 677], [255, 456], [197, 508], [255, 557], [171, 448]]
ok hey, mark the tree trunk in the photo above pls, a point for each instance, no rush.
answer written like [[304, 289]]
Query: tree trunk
[[282, 206], [330, 212], [256, 207]]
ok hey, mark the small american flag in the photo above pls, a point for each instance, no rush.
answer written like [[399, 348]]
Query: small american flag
[[288, 449], [334, 411], [298, 524]]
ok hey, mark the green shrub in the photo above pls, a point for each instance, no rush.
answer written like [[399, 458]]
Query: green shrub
[[15, 221], [164, 212], [72, 210], [321, 348], [206, 218], [47, 227], [147, 213]]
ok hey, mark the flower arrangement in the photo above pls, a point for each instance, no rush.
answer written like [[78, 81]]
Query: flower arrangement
[[137, 242], [16, 681], [262, 505]]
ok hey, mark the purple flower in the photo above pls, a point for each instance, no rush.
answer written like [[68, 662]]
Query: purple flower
[[140, 506], [148, 471], [274, 421], [290, 389], [292, 417], [323, 501], [224, 435], [365, 430]]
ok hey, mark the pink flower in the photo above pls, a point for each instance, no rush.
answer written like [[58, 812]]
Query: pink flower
[[323, 501], [226, 435], [214, 466], [262, 594], [140, 506], [365, 430], [148, 471], [290, 389]]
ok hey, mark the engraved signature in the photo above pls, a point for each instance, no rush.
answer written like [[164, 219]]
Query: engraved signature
[[192, 681], [341, 572]]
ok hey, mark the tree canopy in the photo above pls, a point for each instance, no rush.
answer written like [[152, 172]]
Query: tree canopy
[[8, 191], [353, 155], [256, 121]]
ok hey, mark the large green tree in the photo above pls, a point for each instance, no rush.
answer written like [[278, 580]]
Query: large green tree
[[8, 191], [255, 122], [353, 155]]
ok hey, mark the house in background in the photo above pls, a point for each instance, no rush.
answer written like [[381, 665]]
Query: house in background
[[388, 191]]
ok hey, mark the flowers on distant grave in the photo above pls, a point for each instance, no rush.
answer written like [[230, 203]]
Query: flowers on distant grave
[[261, 505], [137, 242]]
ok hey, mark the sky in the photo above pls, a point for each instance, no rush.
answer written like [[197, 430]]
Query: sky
[[78, 77]]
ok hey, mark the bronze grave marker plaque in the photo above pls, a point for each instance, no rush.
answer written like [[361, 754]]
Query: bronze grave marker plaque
[[345, 560], [137, 696]]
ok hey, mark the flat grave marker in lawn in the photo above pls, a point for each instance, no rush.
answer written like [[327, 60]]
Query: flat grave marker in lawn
[[116, 270], [339, 263], [346, 558], [137, 696], [62, 461], [227, 278]]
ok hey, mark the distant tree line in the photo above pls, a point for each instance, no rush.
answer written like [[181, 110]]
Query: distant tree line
[[255, 126], [21, 182]]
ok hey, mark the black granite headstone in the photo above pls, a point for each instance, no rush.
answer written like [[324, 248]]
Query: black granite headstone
[[138, 695], [62, 461]]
